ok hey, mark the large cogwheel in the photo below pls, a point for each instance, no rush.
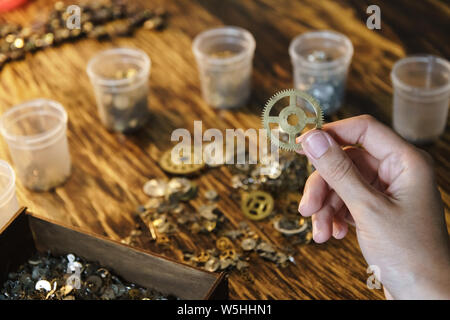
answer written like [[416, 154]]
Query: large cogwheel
[[285, 113]]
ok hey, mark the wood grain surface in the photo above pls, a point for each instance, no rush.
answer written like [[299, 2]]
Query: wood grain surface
[[109, 169]]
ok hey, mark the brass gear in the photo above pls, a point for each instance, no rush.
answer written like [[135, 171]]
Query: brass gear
[[291, 109], [257, 205], [182, 168]]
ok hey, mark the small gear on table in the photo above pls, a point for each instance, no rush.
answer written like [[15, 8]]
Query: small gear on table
[[257, 205], [223, 243], [293, 109], [184, 167]]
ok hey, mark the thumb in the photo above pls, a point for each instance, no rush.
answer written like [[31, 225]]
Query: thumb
[[336, 168]]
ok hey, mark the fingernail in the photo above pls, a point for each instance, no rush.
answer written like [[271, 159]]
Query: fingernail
[[298, 140], [336, 230], [301, 204], [316, 230], [316, 144], [300, 208]]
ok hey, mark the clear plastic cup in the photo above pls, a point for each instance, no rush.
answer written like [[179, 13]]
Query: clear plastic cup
[[320, 61], [36, 134], [120, 80], [421, 95], [224, 59], [8, 200]]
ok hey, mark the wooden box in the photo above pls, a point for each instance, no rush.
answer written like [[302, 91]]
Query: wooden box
[[27, 233]]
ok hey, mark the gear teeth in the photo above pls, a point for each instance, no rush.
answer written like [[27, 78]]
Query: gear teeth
[[283, 93], [263, 116], [319, 118]]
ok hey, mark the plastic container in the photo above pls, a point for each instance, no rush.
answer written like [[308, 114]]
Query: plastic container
[[224, 60], [8, 200], [120, 80], [320, 61], [36, 134], [421, 95]]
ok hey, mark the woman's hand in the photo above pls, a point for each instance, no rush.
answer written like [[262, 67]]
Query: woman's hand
[[387, 189]]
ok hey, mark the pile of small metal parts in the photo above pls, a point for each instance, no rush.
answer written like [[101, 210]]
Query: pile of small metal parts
[[168, 210], [99, 19], [282, 180], [47, 277], [234, 249], [289, 174]]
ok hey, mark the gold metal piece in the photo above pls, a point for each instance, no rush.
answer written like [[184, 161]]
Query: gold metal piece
[[209, 225], [224, 243], [257, 205], [185, 165], [228, 254], [162, 239], [308, 237], [202, 257]]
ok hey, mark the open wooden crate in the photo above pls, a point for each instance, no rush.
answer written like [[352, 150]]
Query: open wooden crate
[[25, 234]]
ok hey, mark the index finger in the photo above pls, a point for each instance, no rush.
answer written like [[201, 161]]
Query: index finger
[[376, 138]]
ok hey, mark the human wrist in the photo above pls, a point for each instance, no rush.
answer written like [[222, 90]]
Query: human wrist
[[430, 284]]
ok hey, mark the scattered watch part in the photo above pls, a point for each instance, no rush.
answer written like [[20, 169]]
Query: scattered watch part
[[212, 265], [224, 243], [207, 211], [185, 165], [257, 205], [43, 285], [248, 244], [288, 232], [155, 188], [179, 185], [211, 195]]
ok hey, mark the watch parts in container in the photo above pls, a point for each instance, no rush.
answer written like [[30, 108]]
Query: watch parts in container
[[47, 277]]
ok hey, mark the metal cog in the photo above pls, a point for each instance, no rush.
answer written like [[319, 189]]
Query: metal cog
[[282, 118]]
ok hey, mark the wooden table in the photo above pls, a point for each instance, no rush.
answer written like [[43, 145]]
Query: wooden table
[[110, 169]]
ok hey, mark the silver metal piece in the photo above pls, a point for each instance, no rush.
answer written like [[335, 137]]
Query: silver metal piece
[[181, 185], [212, 265], [155, 188], [43, 284], [284, 231], [211, 195], [206, 211], [248, 244]]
